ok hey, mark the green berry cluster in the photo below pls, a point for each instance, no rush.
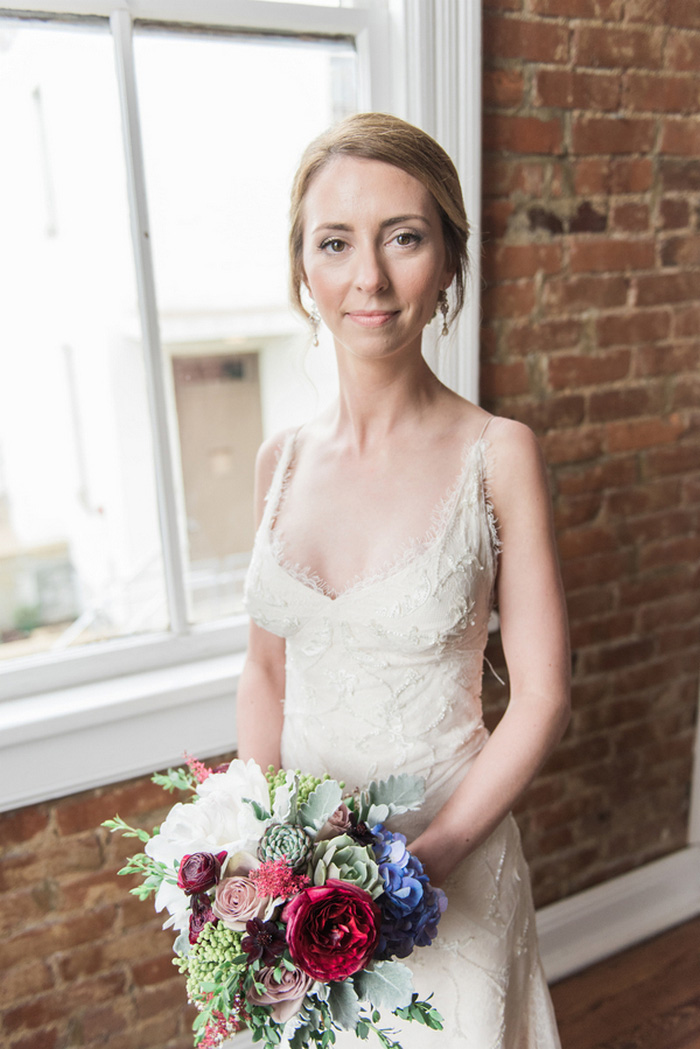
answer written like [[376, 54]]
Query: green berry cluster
[[307, 782], [216, 947]]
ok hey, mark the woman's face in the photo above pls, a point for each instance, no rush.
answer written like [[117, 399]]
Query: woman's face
[[374, 255]]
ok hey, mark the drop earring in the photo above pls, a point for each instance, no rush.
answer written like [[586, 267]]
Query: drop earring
[[443, 306], [314, 321]]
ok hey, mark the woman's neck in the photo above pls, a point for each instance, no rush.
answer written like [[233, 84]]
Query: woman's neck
[[380, 398]]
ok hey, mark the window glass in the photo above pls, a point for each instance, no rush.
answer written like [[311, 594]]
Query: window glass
[[79, 544], [224, 121]]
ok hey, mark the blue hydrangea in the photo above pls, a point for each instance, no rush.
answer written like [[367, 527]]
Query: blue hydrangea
[[410, 906]]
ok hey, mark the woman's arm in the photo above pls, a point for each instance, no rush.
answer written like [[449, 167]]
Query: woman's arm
[[259, 702], [534, 633]]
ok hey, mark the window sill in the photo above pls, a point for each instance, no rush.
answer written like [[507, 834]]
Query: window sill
[[73, 739]]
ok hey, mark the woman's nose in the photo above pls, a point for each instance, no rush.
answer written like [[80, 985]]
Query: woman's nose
[[370, 275]]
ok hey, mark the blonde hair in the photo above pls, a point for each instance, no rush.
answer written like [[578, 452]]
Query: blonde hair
[[379, 136]]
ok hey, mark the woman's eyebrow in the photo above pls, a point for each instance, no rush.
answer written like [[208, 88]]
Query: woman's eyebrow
[[395, 221]]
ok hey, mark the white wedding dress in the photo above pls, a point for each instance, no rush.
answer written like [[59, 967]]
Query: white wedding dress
[[385, 677]]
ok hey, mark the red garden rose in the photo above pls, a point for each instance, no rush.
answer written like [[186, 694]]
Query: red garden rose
[[332, 929], [199, 871]]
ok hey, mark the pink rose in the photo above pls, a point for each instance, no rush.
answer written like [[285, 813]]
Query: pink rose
[[237, 901], [332, 929], [285, 997]]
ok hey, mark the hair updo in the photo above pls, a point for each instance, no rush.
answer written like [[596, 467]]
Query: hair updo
[[379, 136]]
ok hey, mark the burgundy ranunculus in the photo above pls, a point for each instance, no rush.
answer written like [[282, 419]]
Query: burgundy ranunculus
[[332, 929], [200, 915], [200, 871]]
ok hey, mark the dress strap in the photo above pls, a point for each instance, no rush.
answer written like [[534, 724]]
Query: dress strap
[[275, 492], [485, 427]]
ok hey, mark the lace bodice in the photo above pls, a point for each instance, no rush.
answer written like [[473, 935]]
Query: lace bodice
[[386, 673]]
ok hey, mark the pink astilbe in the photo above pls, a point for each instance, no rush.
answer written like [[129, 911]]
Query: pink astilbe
[[219, 1028], [197, 768], [277, 879]]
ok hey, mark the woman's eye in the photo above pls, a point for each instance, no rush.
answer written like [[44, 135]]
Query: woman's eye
[[334, 245], [405, 239]]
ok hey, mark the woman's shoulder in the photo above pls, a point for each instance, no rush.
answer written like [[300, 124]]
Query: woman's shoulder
[[517, 468]]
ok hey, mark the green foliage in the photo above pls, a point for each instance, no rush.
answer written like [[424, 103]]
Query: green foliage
[[422, 1012], [320, 805], [391, 797], [175, 779], [153, 872]]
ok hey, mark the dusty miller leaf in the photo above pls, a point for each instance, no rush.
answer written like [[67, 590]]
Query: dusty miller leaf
[[320, 805], [388, 986]]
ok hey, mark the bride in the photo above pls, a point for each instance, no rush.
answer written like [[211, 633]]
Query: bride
[[387, 527]]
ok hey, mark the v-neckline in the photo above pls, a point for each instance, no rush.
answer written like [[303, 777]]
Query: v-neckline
[[412, 550]]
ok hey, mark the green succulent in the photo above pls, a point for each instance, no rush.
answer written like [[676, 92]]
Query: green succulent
[[343, 858], [281, 840]]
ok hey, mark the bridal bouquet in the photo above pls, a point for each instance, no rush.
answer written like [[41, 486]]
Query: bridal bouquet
[[292, 902]]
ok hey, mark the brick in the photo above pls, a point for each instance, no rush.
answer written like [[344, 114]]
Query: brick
[[503, 176], [551, 413], [579, 542], [598, 568], [681, 251], [633, 327], [681, 175], [682, 52], [571, 446], [674, 213], [679, 551], [644, 498], [646, 11], [609, 474], [683, 13], [495, 217], [679, 458], [59, 935], [642, 433], [660, 94], [525, 40], [508, 300], [522, 134], [25, 981], [598, 9], [576, 370], [680, 137], [22, 825], [504, 380], [612, 134], [610, 48], [546, 219], [605, 256], [587, 219], [578, 294], [46, 1039], [630, 217], [628, 653], [667, 287], [502, 87], [513, 261], [666, 360], [503, 5], [545, 336], [576, 511], [664, 525], [568, 89], [646, 589], [601, 629], [607, 405], [686, 392], [610, 175], [581, 605]]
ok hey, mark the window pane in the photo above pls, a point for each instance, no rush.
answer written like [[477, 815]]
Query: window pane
[[224, 122], [79, 546]]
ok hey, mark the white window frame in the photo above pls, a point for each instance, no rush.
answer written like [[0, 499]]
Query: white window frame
[[121, 708]]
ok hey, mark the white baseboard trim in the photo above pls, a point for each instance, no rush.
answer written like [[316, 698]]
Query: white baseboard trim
[[586, 928]]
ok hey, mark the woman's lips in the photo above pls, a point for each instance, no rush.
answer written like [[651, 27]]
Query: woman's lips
[[372, 318]]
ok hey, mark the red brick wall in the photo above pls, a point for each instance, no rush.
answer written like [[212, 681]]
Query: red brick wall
[[592, 266], [591, 319]]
